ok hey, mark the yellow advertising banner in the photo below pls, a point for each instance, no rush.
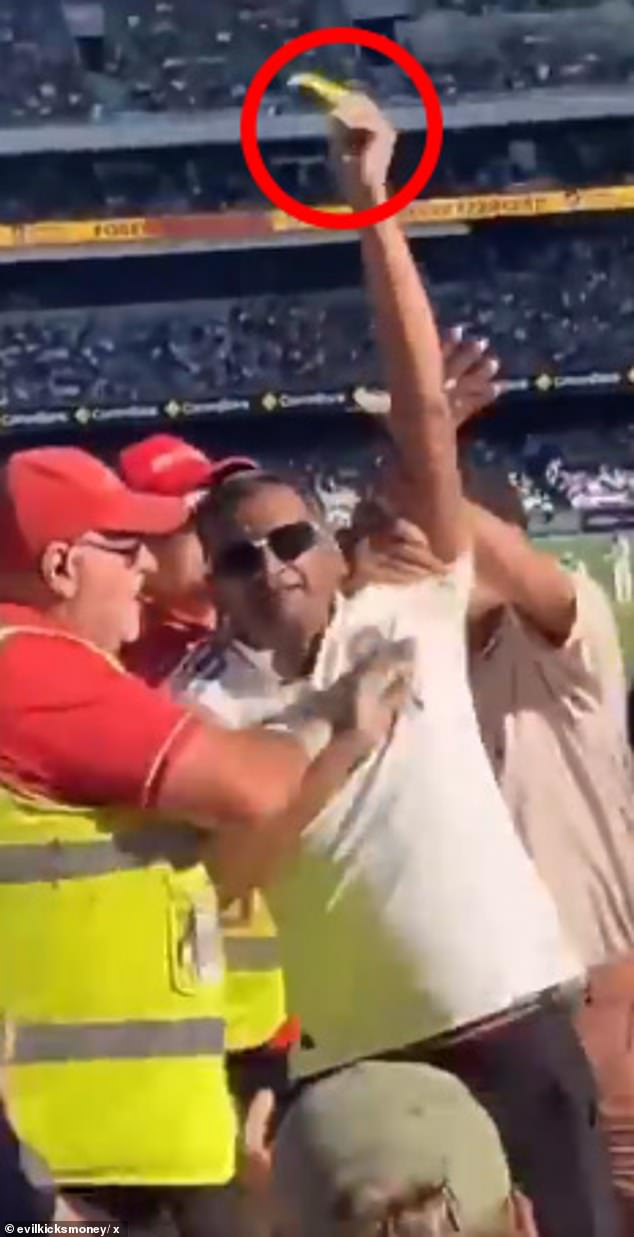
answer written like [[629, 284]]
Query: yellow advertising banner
[[469, 209]]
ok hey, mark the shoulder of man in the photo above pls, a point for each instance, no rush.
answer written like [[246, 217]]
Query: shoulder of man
[[37, 662], [591, 656], [425, 593]]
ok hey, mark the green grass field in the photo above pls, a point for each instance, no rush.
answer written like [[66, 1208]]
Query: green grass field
[[592, 549]]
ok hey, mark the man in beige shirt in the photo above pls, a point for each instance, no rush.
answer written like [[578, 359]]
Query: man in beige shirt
[[550, 694], [549, 688]]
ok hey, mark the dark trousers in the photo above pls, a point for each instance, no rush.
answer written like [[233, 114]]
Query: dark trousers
[[167, 1211], [257, 1069], [534, 1079]]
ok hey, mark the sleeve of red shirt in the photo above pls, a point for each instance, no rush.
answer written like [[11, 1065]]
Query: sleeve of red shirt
[[77, 730]]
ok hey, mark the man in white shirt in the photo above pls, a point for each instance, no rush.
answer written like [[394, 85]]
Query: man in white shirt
[[412, 923], [549, 688]]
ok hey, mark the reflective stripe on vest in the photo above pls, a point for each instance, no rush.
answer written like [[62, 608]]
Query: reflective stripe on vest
[[255, 991], [129, 850], [245, 953], [103, 1041], [112, 987], [53, 861]]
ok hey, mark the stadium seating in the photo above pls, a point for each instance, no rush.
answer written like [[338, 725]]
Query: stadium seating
[[183, 180], [205, 55], [565, 304], [184, 55], [474, 46], [189, 54], [40, 73], [562, 477], [579, 471]]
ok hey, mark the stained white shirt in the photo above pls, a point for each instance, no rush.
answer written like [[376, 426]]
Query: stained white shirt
[[412, 907]]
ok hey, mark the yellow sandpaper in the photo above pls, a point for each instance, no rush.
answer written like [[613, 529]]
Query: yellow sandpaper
[[320, 87]]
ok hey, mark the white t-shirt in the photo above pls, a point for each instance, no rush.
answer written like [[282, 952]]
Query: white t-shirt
[[413, 907]]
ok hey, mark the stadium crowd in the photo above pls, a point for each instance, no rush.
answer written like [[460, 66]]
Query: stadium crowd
[[563, 308], [160, 56], [581, 471], [296, 943], [472, 46], [82, 184]]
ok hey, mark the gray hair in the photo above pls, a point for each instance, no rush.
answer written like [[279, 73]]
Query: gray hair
[[223, 500]]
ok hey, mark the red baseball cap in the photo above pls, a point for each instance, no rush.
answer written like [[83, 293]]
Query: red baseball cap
[[61, 493], [164, 464]]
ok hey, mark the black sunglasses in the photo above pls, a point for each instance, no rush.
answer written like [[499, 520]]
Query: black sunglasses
[[246, 558]]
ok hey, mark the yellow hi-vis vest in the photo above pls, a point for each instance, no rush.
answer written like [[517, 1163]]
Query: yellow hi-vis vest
[[112, 981], [255, 995]]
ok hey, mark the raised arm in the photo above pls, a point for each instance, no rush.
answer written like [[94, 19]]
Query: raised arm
[[532, 582], [420, 419], [514, 571]]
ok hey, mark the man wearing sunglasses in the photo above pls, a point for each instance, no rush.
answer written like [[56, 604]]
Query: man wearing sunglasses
[[412, 920], [112, 977]]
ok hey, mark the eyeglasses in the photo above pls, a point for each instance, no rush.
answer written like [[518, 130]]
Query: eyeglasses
[[129, 551], [288, 542]]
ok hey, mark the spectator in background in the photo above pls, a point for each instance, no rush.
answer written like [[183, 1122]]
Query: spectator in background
[[180, 609], [393, 1151], [620, 558]]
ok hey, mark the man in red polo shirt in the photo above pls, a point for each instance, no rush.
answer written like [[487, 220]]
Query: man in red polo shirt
[[90, 759], [180, 610], [73, 557]]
